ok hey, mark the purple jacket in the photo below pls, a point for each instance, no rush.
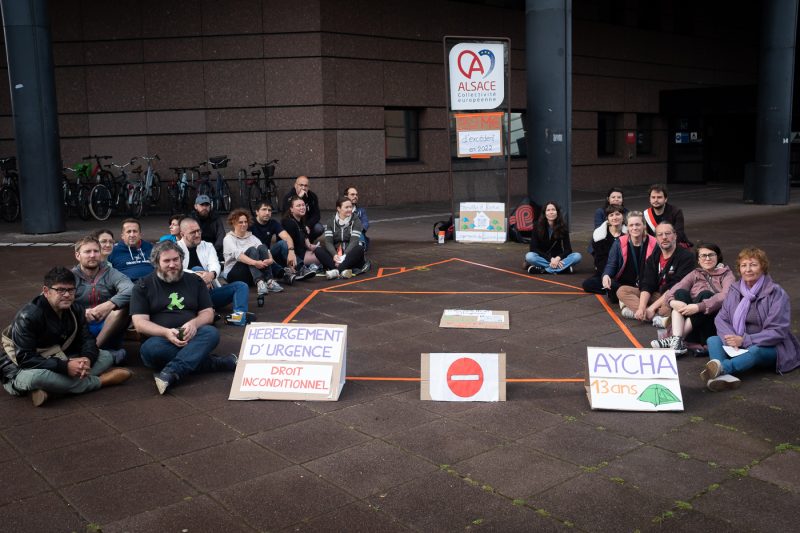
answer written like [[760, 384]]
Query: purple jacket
[[697, 281], [768, 323]]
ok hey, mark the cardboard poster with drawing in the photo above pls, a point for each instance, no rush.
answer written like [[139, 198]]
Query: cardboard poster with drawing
[[629, 379], [291, 362], [481, 222], [463, 377], [474, 319]]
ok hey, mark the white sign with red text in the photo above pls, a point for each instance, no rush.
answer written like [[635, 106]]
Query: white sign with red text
[[477, 76], [290, 362]]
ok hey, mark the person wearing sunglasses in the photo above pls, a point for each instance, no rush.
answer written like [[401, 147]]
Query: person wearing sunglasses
[[696, 299], [48, 348]]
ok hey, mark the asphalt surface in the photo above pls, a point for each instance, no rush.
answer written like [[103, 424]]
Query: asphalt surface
[[380, 459]]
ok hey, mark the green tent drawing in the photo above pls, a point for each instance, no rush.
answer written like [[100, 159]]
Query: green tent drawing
[[658, 394]]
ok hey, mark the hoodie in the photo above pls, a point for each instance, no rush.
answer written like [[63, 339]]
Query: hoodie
[[233, 247], [133, 261]]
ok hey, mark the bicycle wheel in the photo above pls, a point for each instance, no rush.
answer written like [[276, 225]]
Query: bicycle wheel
[[204, 188], [9, 203], [255, 197], [100, 202], [155, 190], [136, 205], [272, 194], [224, 198], [83, 203]]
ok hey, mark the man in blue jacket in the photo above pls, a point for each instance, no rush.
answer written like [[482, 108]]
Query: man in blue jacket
[[131, 255]]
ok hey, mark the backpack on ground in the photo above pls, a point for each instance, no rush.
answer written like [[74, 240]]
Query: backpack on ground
[[447, 226], [521, 221]]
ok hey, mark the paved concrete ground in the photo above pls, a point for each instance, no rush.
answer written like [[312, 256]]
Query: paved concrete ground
[[126, 459]]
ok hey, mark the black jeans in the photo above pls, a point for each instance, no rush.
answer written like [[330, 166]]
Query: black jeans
[[702, 324]]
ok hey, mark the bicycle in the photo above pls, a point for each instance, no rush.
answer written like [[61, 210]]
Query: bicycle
[[220, 192], [113, 195], [260, 186], [9, 191], [100, 196], [148, 188], [179, 189], [76, 194]]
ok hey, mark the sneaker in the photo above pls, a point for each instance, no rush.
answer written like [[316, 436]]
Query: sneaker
[[289, 276], [223, 363], [365, 267], [118, 355], [347, 274], [261, 287], [38, 397], [332, 274], [164, 380], [712, 370], [661, 322], [237, 318], [627, 312], [533, 269], [674, 342], [313, 268], [305, 273], [723, 382], [114, 376], [274, 286]]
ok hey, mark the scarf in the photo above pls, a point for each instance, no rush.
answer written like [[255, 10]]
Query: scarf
[[748, 296]]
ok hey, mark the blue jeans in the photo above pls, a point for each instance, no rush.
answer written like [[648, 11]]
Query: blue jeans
[[756, 355], [30, 379], [160, 354], [280, 253], [236, 292], [532, 258]]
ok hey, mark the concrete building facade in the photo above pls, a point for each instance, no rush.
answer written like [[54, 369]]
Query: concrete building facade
[[353, 91]]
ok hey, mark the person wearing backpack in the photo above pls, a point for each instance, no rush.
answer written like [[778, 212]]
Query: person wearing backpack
[[551, 250]]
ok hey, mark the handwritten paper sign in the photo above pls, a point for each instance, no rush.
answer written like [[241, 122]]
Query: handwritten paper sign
[[481, 222], [474, 319], [463, 377], [628, 379], [291, 362]]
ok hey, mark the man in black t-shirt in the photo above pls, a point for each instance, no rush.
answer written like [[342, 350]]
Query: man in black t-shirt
[[265, 228], [174, 311]]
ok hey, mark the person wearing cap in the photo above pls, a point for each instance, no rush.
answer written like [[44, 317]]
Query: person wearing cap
[[213, 230]]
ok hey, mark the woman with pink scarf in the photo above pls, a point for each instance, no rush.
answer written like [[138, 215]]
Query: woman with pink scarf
[[753, 326]]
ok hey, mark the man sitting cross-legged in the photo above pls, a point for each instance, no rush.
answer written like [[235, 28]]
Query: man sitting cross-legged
[[174, 310], [49, 350], [200, 257], [105, 294]]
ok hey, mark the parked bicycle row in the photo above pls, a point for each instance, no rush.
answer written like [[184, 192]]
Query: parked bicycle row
[[97, 187]]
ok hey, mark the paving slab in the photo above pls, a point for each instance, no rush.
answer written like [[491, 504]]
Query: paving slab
[[358, 517], [42, 512], [445, 441], [781, 469], [56, 432], [580, 444], [20, 481], [193, 514], [181, 435]]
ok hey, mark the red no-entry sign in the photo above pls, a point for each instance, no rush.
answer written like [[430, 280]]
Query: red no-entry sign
[[465, 377]]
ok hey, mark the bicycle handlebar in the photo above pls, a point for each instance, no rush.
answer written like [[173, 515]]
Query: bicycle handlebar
[[271, 163], [147, 157], [98, 157]]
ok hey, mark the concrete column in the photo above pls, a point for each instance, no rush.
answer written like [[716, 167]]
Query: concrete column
[[548, 60], [33, 103], [775, 86]]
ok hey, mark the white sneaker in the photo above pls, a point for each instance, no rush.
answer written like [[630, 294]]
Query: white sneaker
[[347, 274], [332, 274], [274, 286], [661, 322], [262, 288], [712, 370], [723, 382], [627, 312]]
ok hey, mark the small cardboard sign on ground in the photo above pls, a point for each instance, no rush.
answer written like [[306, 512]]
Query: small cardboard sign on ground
[[628, 379], [474, 319], [463, 377], [481, 222], [291, 362]]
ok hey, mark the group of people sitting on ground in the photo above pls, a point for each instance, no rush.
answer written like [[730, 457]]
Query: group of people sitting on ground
[[646, 266], [68, 339]]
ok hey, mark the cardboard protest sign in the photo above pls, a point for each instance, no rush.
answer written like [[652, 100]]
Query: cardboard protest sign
[[291, 362], [628, 379], [463, 377], [474, 319], [481, 222]]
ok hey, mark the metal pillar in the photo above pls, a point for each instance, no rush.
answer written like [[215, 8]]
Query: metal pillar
[[33, 103], [548, 60], [775, 85]]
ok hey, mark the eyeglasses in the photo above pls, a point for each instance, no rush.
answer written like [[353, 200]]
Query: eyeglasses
[[712, 255], [63, 290]]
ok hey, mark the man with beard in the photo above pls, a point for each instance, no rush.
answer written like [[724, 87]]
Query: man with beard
[[213, 230], [661, 211], [105, 294], [49, 350], [174, 311]]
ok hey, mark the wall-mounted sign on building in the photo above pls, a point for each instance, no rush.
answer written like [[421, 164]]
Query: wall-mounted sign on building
[[477, 76]]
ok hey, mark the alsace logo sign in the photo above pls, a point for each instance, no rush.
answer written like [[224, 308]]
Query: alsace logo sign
[[477, 77]]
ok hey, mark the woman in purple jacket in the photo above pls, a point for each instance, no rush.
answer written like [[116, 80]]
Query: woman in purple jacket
[[753, 326]]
